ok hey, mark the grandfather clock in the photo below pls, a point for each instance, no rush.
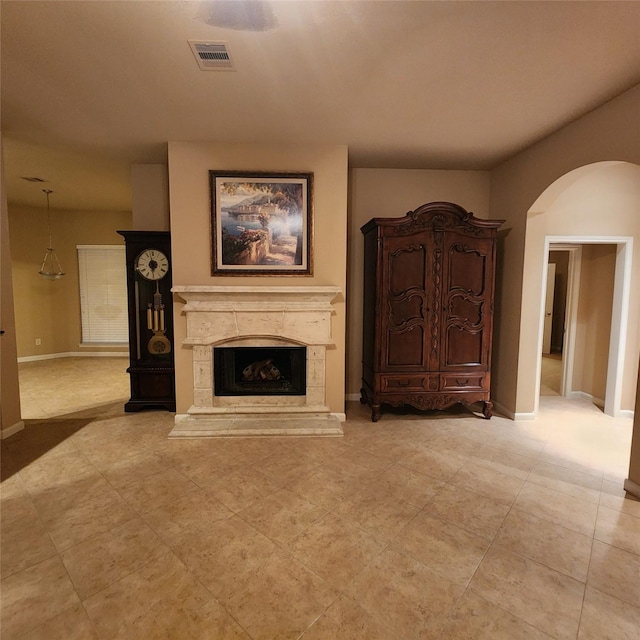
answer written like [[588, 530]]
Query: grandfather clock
[[151, 367]]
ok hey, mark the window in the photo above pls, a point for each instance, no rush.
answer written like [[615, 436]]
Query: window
[[103, 293]]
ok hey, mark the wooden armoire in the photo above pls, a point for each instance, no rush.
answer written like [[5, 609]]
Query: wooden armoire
[[428, 309]]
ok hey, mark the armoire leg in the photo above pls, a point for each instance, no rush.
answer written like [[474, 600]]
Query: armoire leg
[[487, 411], [375, 412]]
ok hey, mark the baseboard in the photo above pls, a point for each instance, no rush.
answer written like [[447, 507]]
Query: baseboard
[[632, 487], [599, 402], [9, 431], [76, 354], [352, 397], [342, 417], [530, 415]]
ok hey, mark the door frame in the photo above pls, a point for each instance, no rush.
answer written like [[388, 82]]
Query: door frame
[[548, 315], [570, 312], [619, 314]]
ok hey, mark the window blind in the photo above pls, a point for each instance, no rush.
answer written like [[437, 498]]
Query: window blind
[[103, 293]]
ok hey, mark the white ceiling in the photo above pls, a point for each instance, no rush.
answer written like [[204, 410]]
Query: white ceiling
[[90, 87]]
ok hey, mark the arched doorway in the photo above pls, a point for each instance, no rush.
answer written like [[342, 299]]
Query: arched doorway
[[595, 204]]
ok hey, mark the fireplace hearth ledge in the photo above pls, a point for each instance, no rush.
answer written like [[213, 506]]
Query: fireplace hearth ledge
[[239, 425]]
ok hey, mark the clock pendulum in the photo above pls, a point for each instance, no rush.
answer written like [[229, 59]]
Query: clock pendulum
[[159, 342]]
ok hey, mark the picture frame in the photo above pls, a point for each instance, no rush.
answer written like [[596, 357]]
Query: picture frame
[[261, 223]]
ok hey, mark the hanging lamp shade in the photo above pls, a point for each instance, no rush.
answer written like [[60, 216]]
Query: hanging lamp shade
[[51, 268]]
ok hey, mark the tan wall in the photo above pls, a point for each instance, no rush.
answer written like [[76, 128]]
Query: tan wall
[[10, 418], [45, 309], [593, 322], [189, 164], [608, 133], [392, 193], [634, 464], [150, 197]]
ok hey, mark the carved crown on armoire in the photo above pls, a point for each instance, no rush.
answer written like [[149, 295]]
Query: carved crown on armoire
[[428, 309]]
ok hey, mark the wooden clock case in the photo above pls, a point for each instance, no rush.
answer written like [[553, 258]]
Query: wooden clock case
[[151, 364]]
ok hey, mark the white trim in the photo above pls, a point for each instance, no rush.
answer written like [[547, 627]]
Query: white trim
[[619, 314], [100, 246], [627, 413], [632, 487], [541, 306], [619, 322], [524, 416], [9, 431], [342, 417], [352, 397], [76, 354]]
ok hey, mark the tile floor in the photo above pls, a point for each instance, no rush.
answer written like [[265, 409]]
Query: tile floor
[[441, 526], [551, 374]]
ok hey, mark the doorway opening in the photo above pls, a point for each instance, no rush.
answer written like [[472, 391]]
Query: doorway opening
[[558, 340], [584, 355]]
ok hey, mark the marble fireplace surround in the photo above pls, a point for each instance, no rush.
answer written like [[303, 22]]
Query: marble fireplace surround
[[244, 316]]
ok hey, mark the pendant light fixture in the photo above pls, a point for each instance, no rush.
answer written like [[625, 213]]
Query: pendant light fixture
[[50, 269]]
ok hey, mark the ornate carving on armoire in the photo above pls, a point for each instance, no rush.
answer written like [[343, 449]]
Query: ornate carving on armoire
[[428, 309]]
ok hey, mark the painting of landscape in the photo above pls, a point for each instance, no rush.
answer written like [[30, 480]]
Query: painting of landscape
[[261, 223]]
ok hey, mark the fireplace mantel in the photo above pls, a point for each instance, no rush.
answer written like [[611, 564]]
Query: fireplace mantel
[[217, 296], [219, 316]]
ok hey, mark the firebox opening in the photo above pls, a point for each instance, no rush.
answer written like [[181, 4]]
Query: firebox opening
[[256, 371]]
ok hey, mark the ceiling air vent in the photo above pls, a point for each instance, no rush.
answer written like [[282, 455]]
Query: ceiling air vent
[[212, 56]]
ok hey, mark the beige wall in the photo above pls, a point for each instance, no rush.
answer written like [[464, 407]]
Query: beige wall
[[189, 164], [150, 197], [634, 464], [391, 193], [611, 132], [50, 309], [10, 418], [593, 321]]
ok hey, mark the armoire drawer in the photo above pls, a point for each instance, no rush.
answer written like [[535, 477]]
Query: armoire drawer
[[462, 382], [408, 382]]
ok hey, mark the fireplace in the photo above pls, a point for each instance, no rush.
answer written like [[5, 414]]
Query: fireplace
[[278, 336], [260, 371]]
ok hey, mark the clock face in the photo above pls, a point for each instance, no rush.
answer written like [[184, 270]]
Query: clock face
[[152, 264]]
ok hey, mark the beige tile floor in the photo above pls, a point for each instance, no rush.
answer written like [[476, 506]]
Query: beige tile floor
[[551, 374], [424, 526]]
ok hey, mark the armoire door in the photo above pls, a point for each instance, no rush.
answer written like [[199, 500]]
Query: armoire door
[[467, 313], [404, 303], [467, 303]]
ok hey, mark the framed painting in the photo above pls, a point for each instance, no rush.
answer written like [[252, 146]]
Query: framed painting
[[261, 223]]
